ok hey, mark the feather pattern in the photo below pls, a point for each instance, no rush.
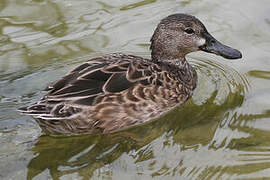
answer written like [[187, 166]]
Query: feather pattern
[[110, 93]]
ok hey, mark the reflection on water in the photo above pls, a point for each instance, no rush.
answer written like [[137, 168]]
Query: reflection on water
[[260, 74], [221, 133]]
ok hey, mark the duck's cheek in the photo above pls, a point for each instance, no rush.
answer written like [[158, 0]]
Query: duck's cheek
[[200, 42]]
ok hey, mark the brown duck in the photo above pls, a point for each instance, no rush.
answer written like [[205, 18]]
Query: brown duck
[[117, 91]]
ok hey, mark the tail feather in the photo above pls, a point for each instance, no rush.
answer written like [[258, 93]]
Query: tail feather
[[35, 109]]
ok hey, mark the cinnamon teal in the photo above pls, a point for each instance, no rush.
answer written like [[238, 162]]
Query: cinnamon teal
[[117, 91]]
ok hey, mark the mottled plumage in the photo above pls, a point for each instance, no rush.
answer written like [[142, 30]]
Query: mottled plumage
[[116, 91]]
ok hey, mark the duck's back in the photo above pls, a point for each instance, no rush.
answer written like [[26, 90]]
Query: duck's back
[[112, 92]]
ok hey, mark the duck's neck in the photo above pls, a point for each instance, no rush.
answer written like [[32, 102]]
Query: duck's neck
[[181, 70], [158, 55], [179, 61], [178, 66]]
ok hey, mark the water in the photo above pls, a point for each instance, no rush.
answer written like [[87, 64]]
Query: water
[[223, 132]]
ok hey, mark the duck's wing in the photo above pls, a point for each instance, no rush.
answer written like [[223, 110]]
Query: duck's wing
[[97, 77]]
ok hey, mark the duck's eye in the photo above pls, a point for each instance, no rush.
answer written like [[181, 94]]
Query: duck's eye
[[189, 31]]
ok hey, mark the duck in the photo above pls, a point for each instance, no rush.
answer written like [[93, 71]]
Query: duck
[[117, 91]]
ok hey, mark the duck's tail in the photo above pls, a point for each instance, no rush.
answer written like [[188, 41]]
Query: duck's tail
[[35, 110]]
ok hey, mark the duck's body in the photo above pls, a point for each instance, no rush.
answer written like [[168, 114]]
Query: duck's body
[[116, 91], [113, 92]]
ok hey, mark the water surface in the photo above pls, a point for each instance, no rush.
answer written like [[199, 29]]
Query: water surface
[[222, 132]]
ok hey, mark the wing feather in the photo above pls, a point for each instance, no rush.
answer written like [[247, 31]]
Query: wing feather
[[117, 83], [89, 83]]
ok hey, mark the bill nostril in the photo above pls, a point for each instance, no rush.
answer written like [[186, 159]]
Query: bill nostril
[[212, 41]]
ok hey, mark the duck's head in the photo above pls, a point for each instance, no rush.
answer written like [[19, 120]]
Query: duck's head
[[180, 34]]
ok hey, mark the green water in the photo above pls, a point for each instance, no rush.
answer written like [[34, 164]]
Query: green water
[[223, 132]]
